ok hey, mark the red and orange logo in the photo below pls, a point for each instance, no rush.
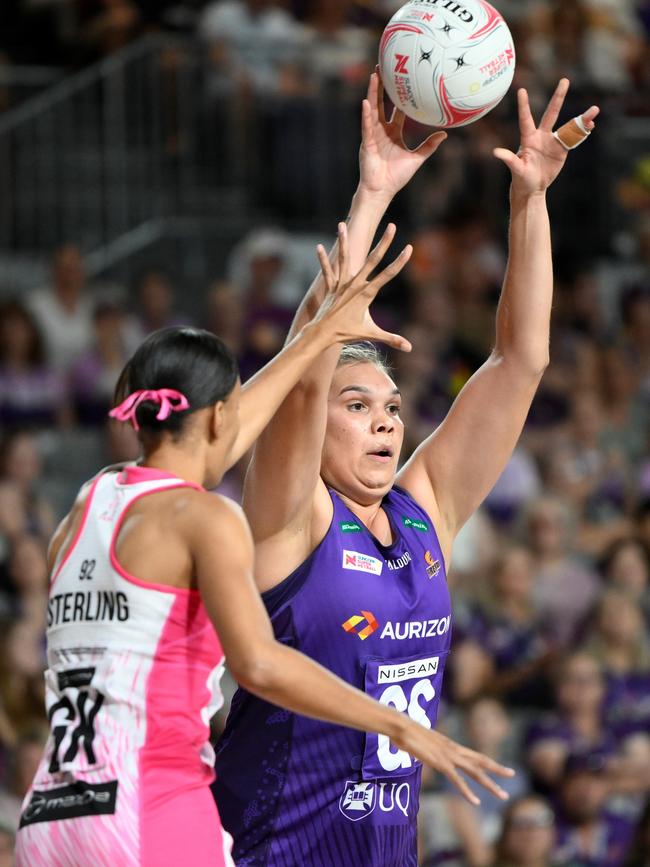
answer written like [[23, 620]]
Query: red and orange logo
[[433, 566], [354, 621]]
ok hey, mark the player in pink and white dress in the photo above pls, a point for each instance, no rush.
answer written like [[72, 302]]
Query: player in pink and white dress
[[143, 570]]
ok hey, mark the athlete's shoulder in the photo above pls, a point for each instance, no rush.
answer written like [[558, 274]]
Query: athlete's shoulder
[[211, 512], [72, 520]]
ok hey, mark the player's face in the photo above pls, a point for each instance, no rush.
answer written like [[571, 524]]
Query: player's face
[[364, 433]]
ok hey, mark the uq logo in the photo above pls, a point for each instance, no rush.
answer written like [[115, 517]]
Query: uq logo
[[360, 799], [357, 801], [366, 617]]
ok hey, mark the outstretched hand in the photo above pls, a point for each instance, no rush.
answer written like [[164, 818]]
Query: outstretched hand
[[386, 163], [453, 760], [541, 156], [345, 306]]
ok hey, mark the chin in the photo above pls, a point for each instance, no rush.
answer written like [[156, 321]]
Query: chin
[[379, 485]]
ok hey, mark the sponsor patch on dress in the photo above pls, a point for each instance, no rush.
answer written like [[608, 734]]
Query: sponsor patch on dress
[[362, 562], [415, 524], [70, 802]]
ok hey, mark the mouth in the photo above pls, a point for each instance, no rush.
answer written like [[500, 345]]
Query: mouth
[[383, 455]]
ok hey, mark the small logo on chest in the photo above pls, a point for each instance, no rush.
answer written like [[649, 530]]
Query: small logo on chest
[[350, 527], [415, 524], [400, 562], [366, 617], [433, 566], [361, 563]]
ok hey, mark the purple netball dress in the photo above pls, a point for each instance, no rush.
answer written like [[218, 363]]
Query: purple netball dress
[[296, 792]]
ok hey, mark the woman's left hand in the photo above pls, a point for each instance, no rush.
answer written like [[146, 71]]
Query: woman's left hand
[[541, 156]]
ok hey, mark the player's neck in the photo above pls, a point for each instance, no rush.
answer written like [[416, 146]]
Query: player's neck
[[187, 465]]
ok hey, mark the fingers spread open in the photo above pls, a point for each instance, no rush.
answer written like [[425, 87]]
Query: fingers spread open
[[510, 159], [344, 257], [381, 111], [590, 116], [391, 271], [493, 767], [526, 122], [554, 107], [476, 773], [430, 145], [378, 253], [453, 775], [326, 268], [367, 123], [373, 88], [396, 341]]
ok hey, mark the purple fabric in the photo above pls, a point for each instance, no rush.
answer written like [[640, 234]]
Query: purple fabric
[[30, 397], [627, 703], [551, 726], [611, 842], [294, 791]]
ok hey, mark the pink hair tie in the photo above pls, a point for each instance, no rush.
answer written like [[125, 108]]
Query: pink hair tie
[[170, 401]]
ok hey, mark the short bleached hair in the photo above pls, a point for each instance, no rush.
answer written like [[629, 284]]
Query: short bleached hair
[[363, 353]]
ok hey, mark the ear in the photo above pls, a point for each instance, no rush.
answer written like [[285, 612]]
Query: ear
[[217, 421]]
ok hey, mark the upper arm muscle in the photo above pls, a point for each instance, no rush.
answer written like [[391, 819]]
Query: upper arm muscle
[[456, 467], [222, 549]]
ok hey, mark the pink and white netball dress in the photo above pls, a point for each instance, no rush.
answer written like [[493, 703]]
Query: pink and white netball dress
[[132, 681]]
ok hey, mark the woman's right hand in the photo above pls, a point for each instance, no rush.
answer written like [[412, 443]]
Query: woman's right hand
[[449, 758], [344, 311]]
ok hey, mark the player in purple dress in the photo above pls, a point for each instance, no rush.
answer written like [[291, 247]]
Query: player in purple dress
[[351, 555]]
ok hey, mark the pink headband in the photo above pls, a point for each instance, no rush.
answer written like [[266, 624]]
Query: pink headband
[[170, 401]]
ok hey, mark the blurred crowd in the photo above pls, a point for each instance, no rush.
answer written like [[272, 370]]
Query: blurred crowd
[[550, 670]]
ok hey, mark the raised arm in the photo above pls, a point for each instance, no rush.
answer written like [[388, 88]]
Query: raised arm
[[455, 468], [284, 499], [386, 165], [222, 550]]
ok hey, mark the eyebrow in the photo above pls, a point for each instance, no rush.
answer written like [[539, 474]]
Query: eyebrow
[[363, 390]]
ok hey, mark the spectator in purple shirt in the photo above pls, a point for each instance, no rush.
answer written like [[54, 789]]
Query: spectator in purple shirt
[[639, 854], [565, 588], [94, 374], [626, 565], [155, 307], [576, 725], [507, 625], [618, 639], [587, 834], [32, 393]]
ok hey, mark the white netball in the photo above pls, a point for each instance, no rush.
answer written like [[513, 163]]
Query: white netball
[[446, 63]]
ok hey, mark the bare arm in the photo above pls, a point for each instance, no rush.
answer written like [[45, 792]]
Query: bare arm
[[386, 166], [280, 490], [222, 550], [284, 498], [455, 468]]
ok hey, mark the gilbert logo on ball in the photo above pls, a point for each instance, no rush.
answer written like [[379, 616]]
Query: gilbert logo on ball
[[446, 63]]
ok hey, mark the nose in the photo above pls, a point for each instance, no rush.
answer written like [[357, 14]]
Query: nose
[[383, 423]]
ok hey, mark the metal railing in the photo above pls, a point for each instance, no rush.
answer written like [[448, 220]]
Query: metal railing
[[111, 156], [106, 153], [151, 146], [19, 83]]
